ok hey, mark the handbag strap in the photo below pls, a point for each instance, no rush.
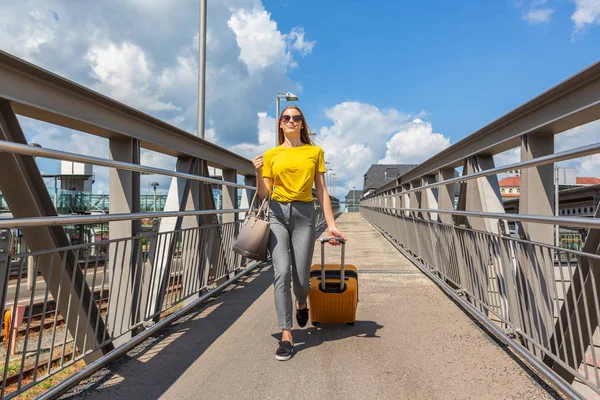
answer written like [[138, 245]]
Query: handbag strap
[[263, 208]]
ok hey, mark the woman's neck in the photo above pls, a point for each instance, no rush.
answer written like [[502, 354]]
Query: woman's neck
[[292, 141]]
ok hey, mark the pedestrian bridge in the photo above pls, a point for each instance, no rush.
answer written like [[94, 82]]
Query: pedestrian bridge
[[410, 341], [458, 299]]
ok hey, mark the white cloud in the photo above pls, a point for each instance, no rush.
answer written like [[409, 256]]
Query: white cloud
[[415, 143], [303, 46], [534, 12], [363, 134], [538, 15], [508, 157], [28, 35], [587, 12], [262, 44], [578, 137], [126, 51], [123, 73], [266, 138]]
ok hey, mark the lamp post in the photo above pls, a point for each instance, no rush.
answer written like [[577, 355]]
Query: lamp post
[[201, 69], [288, 97], [155, 184], [353, 194], [333, 181]]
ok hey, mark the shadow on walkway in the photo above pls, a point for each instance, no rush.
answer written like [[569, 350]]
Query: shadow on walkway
[[312, 337], [158, 362]]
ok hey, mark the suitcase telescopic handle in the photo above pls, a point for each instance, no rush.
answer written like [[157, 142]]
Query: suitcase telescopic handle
[[323, 241]]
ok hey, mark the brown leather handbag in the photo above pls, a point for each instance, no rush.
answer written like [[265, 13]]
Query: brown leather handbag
[[253, 239]]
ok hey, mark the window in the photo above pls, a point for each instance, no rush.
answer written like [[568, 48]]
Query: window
[[510, 190], [391, 173]]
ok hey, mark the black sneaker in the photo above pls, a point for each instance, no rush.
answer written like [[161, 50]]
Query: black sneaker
[[302, 317], [284, 352]]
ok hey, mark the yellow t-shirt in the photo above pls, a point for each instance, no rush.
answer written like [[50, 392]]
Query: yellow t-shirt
[[293, 171]]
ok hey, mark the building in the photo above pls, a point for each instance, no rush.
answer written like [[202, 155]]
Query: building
[[380, 174], [511, 187], [352, 200]]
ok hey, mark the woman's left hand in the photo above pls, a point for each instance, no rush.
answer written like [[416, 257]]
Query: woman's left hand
[[335, 232]]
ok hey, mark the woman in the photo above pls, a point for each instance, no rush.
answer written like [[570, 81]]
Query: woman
[[288, 172]]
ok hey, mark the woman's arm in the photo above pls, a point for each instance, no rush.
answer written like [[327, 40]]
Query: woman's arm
[[325, 202], [263, 185]]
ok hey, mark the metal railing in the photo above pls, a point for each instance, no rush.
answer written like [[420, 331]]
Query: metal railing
[[91, 301], [70, 303], [540, 299]]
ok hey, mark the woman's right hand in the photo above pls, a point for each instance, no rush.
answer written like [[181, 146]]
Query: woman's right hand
[[258, 163]]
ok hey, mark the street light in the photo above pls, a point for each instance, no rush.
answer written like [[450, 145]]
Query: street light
[[353, 194], [333, 180], [288, 97], [155, 184]]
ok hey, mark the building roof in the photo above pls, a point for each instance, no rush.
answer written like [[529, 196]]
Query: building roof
[[515, 181], [380, 174], [354, 194], [512, 181], [586, 180]]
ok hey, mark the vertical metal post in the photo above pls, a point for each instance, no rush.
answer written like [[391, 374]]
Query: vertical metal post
[[124, 189], [27, 196], [537, 186], [536, 197], [277, 120], [446, 194], [183, 195], [556, 207], [429, 198], [202, 69], [229, 195]]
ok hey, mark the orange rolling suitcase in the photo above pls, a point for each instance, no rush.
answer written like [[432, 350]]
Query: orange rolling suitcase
[[333, 292]]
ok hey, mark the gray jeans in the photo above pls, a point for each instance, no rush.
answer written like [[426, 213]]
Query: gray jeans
[[291, 244]]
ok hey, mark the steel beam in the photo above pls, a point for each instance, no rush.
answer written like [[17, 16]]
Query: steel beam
[[42, 95], [446, 194], [537, 187], [406, 200], [125, 262], [537, 197], [429, 197], [26, 194], [481, 194], [229, 195], [578, 298], [572, 103], [179, 198]]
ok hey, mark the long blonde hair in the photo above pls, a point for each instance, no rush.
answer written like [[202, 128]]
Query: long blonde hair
[[304, 132]]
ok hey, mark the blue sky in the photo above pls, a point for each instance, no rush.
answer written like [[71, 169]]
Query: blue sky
[[380, 82], [465, 63]]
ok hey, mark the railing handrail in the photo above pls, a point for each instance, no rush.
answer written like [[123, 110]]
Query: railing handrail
[[571, 103], [23, 149], [39, 94], [575, 222], [534, 162], [8, 223]]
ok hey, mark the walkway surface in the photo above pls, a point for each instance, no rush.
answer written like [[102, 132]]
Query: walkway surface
[[410, 341]]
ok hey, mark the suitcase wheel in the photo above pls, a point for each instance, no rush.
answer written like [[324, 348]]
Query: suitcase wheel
[[315, 324], [350, 323]]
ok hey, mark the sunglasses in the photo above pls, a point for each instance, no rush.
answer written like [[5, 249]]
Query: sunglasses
[[286, 118]]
